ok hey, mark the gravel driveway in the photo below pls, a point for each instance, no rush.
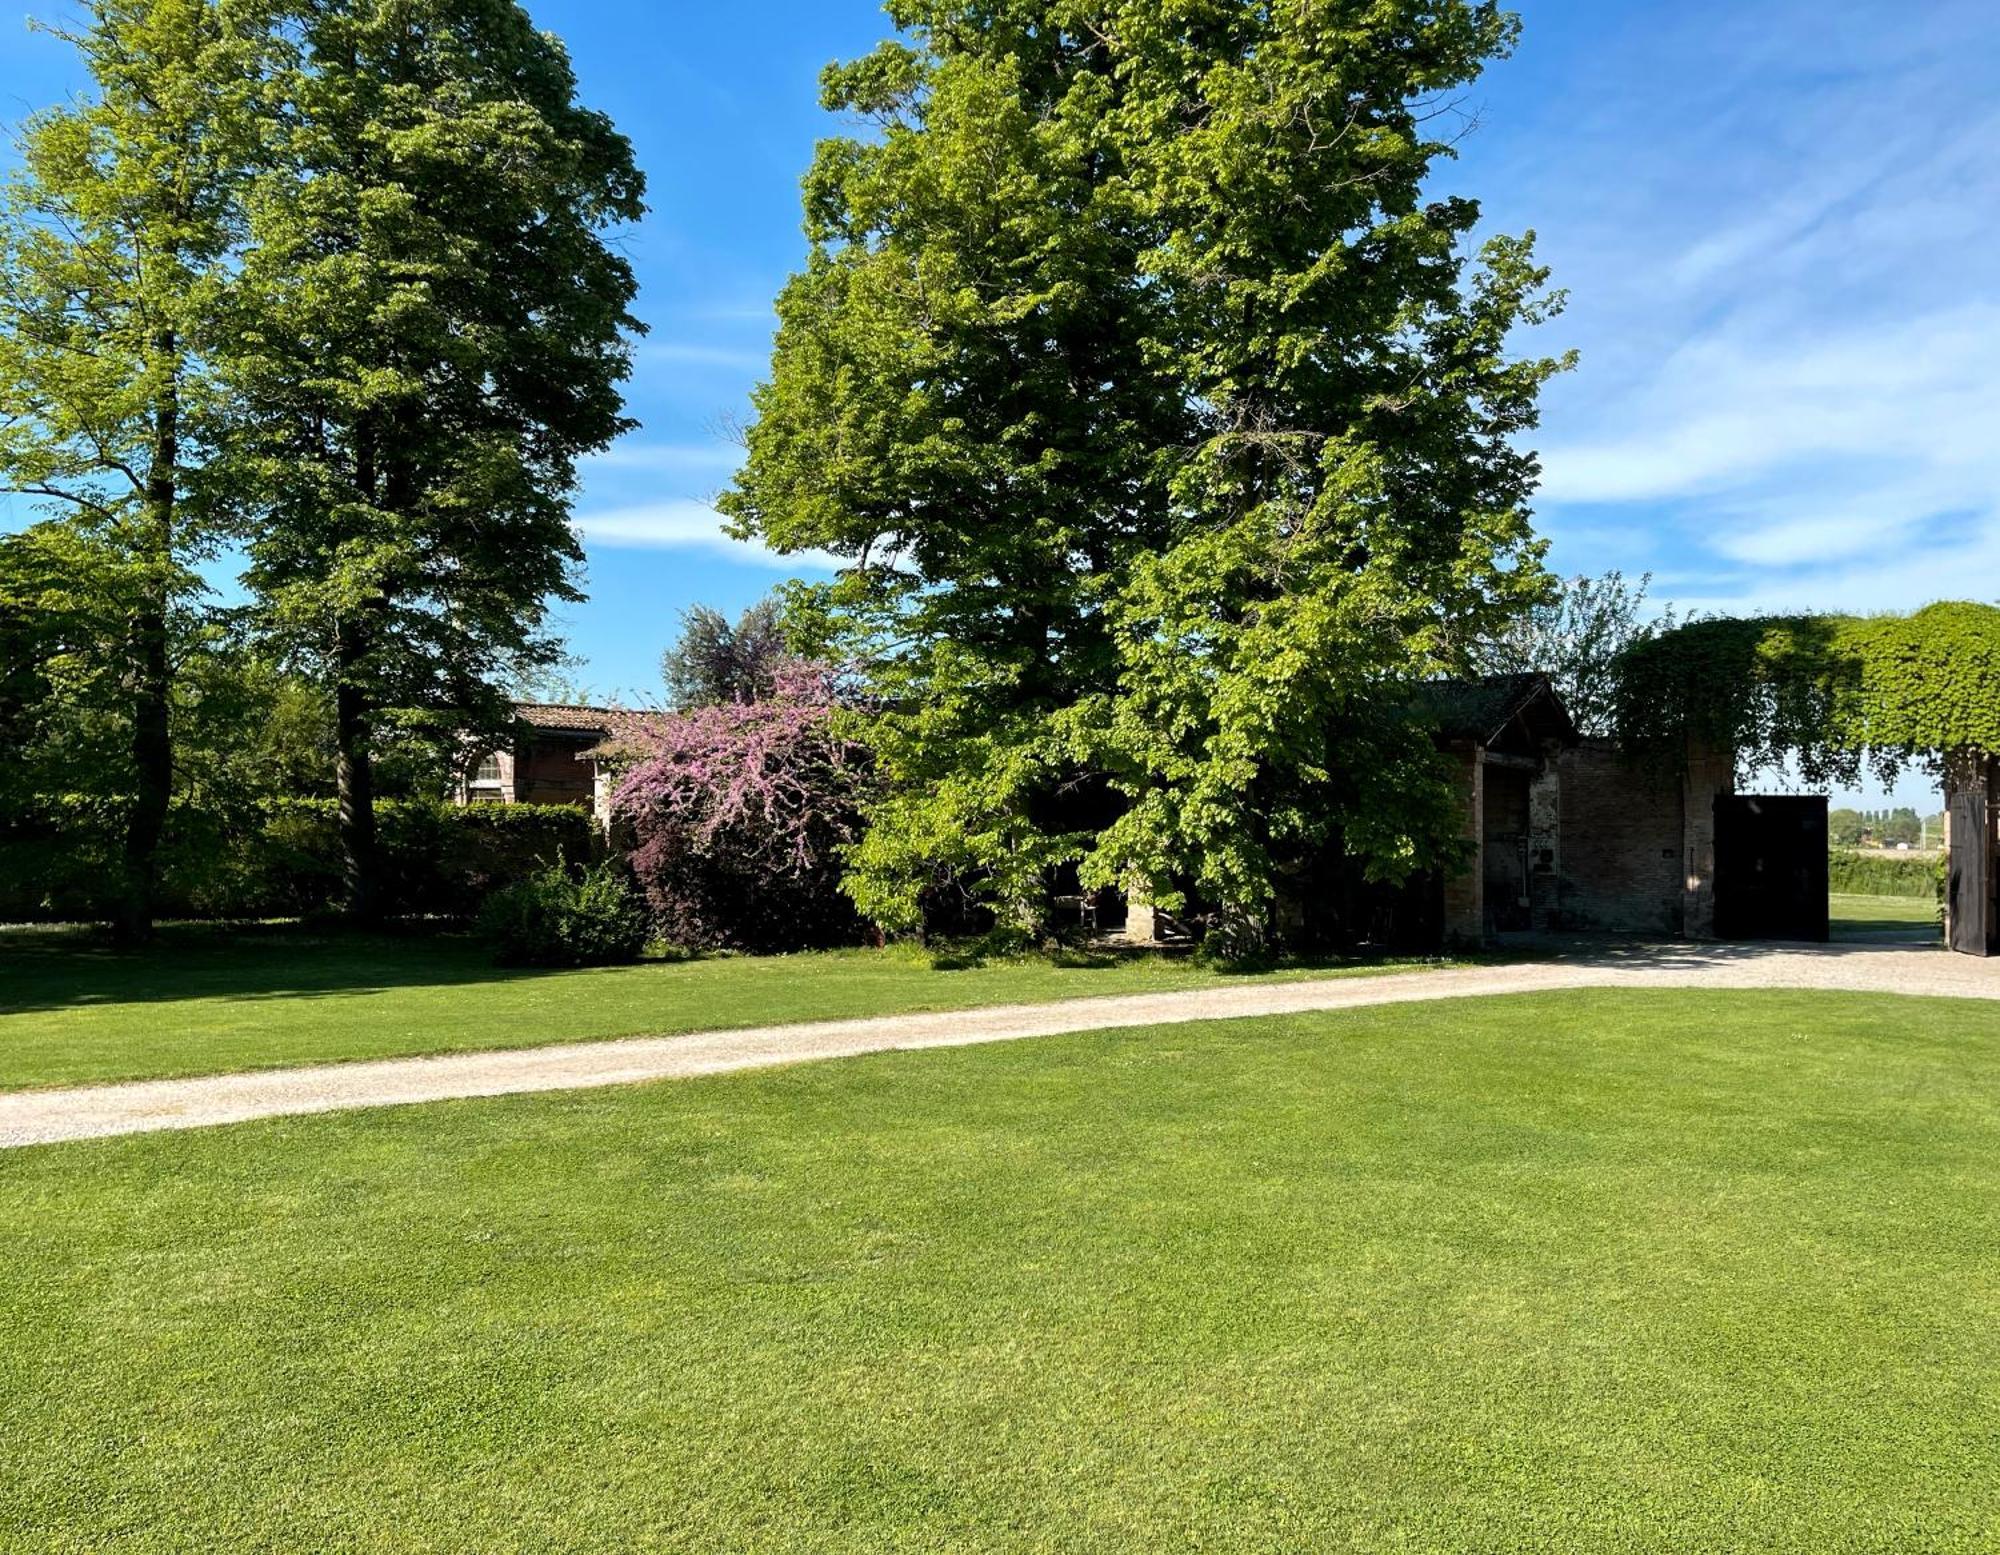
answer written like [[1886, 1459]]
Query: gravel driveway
[[46, 1117]]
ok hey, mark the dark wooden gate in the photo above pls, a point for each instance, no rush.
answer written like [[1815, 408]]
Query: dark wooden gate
[[1770, 867], [1970, 881]]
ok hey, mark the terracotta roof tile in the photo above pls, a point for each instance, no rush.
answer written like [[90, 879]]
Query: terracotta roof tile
[[570, 717]]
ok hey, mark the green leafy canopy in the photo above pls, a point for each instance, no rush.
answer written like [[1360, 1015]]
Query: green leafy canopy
[[1840, 695], [1168, 430], [331, 279], [430, 330]]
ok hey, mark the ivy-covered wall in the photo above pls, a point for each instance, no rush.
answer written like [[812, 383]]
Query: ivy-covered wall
[[1845, 696]]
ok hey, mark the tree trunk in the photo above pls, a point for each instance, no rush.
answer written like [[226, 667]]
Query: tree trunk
[[152, 763], [354, 730], [361, 896], [151, 668]]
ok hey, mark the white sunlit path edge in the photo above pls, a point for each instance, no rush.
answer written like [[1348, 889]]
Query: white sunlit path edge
[[95, 1112]]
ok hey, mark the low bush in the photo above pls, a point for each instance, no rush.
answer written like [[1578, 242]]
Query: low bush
[[1853, 873], [566, 917]]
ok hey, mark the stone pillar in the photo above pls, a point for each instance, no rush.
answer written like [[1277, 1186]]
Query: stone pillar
[[1142, 925], [1465, 892], [600, 796], [1545, 845], [1710, 773]]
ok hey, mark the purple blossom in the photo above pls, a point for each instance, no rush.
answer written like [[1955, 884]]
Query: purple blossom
[[730, 804]]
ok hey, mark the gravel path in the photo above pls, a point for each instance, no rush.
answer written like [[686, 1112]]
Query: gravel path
[[47, 1117]]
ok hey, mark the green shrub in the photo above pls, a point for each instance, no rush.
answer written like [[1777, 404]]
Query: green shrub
[[1851, 873], [564, 917], [438, 860], [488, 846]]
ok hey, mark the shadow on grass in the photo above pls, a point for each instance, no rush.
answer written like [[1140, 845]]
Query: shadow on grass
[[1107, 958], [1886, 931], [971, 958], [62, 967], [1689, 955], [1358, 962]]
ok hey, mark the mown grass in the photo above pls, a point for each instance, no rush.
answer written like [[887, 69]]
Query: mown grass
[[202, 1001], [1605, 1271], [1899, 918]]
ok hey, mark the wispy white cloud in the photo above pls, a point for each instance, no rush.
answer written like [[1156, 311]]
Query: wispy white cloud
[[1813, 541], [1908, 568], [1785, 250], [695, 353], [741, 310], [685, 525], [1814, 407], [668, 458]]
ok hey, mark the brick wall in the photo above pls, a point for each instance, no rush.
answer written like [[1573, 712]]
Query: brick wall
[[1506, 860], [547, 772], [1710, 774], [1622, 840], [1464, 892]]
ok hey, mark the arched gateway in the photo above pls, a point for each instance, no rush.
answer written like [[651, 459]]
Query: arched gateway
[[1841, 697]]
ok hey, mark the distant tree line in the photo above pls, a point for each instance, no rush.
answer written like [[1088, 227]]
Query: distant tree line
[[1848, 828]]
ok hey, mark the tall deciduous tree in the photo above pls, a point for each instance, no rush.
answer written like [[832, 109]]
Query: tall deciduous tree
[[116, 235], [1168, 429], [434, 331]]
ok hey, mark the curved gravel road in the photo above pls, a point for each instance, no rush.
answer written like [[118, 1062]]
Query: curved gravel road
[[48, 1117]]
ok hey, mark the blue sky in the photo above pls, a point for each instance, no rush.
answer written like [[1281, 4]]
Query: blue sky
[[1778, 220]]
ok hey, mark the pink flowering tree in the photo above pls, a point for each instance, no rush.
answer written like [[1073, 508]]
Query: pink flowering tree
[[738, 815]]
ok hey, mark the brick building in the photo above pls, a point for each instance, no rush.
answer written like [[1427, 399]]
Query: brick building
[[1562, 834], [557, 757], [1566, 833]]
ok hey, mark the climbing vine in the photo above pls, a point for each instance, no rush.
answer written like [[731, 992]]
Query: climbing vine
[[1840, 695]]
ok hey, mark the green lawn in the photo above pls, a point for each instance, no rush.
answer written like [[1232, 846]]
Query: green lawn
[[1884, 917], [72, 1010], [1591, 1272]]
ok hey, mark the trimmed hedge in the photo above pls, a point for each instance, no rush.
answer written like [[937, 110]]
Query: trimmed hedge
[[282, 860], [1852, 873]]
